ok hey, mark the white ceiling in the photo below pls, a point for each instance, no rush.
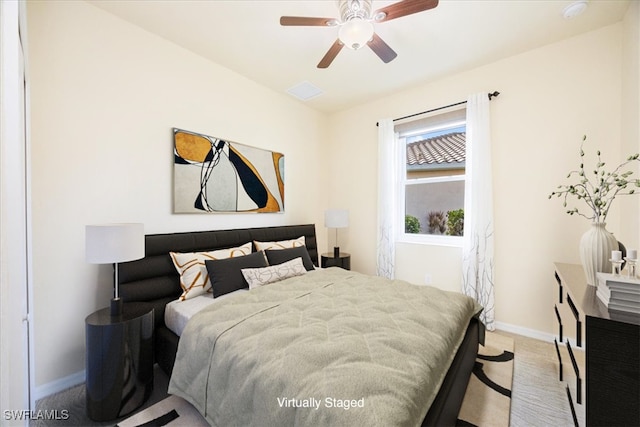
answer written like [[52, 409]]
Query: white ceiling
[[246, 37]]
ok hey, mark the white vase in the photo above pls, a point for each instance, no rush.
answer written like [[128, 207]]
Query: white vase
[[595, 251]]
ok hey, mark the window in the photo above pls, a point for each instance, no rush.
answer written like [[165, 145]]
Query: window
[[432, 156]]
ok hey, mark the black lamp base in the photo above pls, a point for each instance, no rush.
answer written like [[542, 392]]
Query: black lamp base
[[116, 307], [336, 252]]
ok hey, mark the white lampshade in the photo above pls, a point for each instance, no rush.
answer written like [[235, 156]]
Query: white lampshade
[[355, 33], [336, 218], [114, 243]]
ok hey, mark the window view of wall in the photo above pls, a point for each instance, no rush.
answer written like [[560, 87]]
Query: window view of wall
[[434, 175], [430, 203]]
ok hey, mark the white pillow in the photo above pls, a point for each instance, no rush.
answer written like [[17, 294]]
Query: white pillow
[[282, 244], [257, 277], [194, 277]]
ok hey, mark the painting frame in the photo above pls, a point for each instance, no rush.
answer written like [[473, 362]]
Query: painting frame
[[216, 175]]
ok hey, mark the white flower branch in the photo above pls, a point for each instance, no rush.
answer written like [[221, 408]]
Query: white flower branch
[[599, 189]]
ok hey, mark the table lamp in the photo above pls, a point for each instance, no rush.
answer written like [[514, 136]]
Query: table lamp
[[112, 244], [336, 218]]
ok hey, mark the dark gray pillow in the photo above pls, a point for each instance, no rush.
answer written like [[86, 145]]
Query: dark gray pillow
[[278, 256], [226, 275]]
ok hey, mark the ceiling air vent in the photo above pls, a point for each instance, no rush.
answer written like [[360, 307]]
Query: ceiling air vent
[[304, 91]]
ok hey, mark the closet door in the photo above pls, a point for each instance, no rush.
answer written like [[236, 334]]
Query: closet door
[[14, 297]]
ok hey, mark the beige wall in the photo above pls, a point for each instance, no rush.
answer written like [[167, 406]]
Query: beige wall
[[105, 96], [630, 206], [550, 97]]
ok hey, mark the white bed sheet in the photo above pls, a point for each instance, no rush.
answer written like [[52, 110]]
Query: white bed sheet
[[177, 313]]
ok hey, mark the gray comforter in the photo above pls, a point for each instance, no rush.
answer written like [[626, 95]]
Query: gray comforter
[[330, 348]]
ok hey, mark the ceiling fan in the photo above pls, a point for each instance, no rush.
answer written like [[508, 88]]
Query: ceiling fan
[[356, 25]]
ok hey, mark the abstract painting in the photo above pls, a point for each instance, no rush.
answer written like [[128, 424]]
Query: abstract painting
[[216, 175]]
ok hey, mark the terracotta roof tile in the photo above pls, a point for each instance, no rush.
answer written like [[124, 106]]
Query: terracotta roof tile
[[448, 148]]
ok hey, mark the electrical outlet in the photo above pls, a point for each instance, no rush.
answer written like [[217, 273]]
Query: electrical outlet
[[427, 278]]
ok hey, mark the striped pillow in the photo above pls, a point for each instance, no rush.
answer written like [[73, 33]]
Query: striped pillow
[[194, 278]]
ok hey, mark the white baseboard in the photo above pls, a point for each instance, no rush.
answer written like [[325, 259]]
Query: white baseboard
[[542, 336], [59, 385], [530, 333]]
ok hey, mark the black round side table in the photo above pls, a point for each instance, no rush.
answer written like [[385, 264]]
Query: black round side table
[[119, 362], [330, 260]]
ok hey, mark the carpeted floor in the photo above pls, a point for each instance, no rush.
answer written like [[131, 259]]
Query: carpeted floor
[[73, 400]]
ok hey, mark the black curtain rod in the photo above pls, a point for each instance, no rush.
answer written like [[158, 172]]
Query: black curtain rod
[[493, 94]]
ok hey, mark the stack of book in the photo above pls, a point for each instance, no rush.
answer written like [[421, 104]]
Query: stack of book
[[619, 292]]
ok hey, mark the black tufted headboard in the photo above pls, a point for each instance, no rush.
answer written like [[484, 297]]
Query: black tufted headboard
[[152, 281]]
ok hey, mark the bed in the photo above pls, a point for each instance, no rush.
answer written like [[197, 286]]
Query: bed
[[153, 282]]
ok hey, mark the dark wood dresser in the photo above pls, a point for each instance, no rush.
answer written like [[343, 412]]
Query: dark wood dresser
[[598, 353]]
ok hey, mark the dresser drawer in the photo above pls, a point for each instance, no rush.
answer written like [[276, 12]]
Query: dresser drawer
[[560, 289], [570, 322], [573, 371], [560, 365], [559, 326], [575, 331], [572, 406], [574, 375]]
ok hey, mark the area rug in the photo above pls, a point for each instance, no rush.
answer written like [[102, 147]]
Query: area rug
[[487, 401], [172, 411]]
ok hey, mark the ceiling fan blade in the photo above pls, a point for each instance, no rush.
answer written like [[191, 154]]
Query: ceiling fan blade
[[404, 8], [307, 22], [381, 49], [331, 54]]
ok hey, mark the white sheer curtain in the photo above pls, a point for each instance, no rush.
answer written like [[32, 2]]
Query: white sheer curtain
[[387, 197], [477, 249]]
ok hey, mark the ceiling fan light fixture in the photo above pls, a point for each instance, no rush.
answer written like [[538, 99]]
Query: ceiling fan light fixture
[[355, 33], [352, 9], [356, 25]]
